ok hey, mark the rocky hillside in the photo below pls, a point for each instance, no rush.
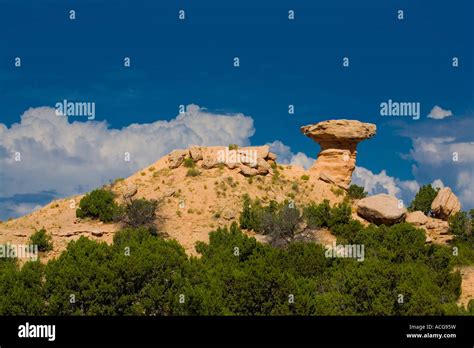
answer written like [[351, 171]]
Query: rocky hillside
[[201, 188], [194, 200]]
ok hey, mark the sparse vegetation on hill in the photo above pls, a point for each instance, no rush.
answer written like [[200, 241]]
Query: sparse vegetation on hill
[[189, 162], [98, 204], [138, 213], [42, 239], [193, 172]]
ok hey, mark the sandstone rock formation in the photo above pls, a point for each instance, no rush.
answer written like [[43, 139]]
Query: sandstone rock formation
[[176, 158], [248, 171], [338, 140], [250, 160], [196, 153], [209, 163], [445, 204], [129, 191], [437, 231], [416, 218], [381, 209]]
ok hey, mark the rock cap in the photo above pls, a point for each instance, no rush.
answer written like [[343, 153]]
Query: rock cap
[[334, 130]]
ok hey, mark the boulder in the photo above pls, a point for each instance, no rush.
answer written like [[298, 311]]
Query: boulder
[[272, 156], [231, 165], [445, 204], [252, 153], [176, 158], [381, 209], [229, 214], [261, 151], [338, 140], [417, 218], [196, 153], [263, 167], [247, 171], [97, 233], [129, 191], [209, 163]]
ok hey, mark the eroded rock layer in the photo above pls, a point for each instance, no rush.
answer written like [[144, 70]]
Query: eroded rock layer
[[338, 140]]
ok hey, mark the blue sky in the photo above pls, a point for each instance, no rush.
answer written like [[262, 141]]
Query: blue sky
[[282, 62]]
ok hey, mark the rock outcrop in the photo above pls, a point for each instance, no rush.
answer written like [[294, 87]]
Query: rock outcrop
[[129, 191], [338, 140], [176, 158], [437, 231], [196, 153], [381, 209], [250, 160], [416, 218], [445, 204]]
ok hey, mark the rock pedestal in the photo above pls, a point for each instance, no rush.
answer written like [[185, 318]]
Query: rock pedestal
[[338, 140]]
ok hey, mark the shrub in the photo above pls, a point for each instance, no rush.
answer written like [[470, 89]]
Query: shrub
[[322, 215], [189, 162], [233, 147], [460, 225], [250, 218], [193, 172], [337, 191], [356, 192], [423, 199], [42, 240], [305, 177], [295, 187], [139, 213], [347, 231], [98, 204], [317, 215], [340, 214], [276, 177], [21, 288], [276, 220], [280, 220]]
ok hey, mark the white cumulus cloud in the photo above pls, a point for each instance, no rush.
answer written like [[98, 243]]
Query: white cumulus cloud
[[382, 183], [73, 157], [438, 113], [286, 156]]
